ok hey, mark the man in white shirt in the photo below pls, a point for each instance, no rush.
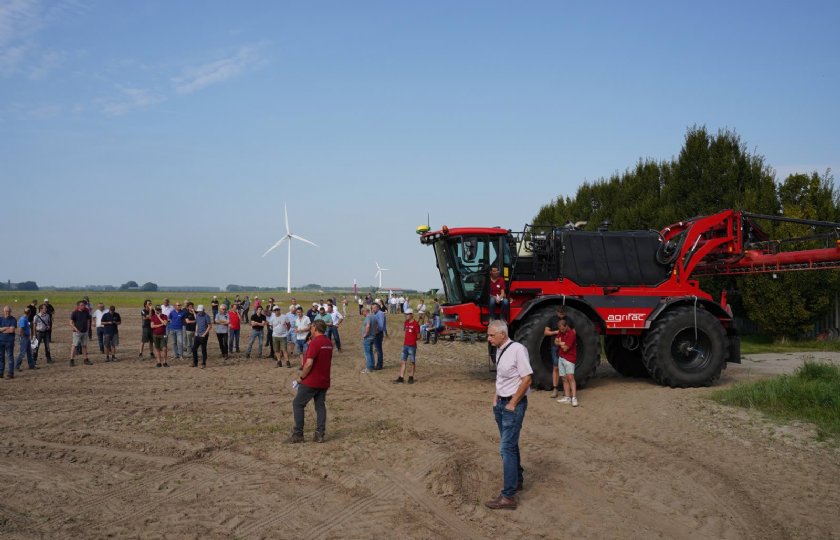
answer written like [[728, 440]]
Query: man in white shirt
[[279, 336], [510, 401], [100, 330], [332, 331], [302, 323]]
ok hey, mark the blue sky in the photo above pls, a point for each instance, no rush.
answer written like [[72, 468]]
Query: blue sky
[[158, 141]]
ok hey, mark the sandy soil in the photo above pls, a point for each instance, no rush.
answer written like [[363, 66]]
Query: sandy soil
[[128, 451]]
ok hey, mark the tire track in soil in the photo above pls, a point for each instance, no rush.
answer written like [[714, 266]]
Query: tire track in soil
[[139, 488]]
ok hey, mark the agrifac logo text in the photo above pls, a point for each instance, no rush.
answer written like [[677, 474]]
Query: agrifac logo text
[[625, 317]]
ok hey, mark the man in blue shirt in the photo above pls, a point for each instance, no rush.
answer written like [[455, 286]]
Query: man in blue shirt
[[176, 329], [23, 343], [382, 331], [8, 327]]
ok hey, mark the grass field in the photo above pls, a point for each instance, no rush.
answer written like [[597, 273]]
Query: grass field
[[765, 344], [123, 300], [811, 394]]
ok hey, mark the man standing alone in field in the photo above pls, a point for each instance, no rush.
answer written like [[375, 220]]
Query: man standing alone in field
[[313, 383], [510, 401], [80, 323]]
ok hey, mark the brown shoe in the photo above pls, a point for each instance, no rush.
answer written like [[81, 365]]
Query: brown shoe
[[318, 437], [294, 439], [501, 503]]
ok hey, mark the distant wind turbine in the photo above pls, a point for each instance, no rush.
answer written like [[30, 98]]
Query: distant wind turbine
[[289, 236], [378, 273]]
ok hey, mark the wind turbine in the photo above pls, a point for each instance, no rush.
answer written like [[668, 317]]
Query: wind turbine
[[378, 273], [289, 236]]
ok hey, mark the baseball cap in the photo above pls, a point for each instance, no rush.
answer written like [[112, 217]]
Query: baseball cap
[[200, 307], [275, 308], [409, 310], [46, 299]]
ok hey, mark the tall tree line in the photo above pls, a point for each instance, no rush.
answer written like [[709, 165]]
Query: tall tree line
[[713, 172]]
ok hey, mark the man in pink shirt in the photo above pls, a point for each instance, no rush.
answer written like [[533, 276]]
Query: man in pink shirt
[[510, 401]]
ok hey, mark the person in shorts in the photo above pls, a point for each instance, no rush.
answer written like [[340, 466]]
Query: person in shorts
[[146, 328], [279, 336], [158, 324], [566, 341], [409, 351], [80, 323], [111, 338]]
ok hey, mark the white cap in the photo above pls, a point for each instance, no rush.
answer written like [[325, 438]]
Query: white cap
[[46, 299], [409, 311], [200, 307]]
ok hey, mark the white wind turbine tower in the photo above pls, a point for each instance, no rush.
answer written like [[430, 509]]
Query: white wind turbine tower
[[289, 236], [378, 273]]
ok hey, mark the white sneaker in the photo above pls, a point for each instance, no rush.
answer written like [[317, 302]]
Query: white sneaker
[[564, 399], [366, 370], [574, 402]]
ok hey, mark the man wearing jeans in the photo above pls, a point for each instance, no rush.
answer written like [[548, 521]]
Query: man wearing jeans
[[176, 329], [379, 335], [510, 401], [8, 327], [498, 296], [24, 340], [368, 339], [313, 383], [203, 324]]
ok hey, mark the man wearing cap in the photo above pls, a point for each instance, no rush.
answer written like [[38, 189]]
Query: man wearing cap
[[203, 324], [510, 401], [258, 325], [279, 336], [409, 352]]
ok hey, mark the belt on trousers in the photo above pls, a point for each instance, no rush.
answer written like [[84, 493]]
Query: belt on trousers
[[508, 398]]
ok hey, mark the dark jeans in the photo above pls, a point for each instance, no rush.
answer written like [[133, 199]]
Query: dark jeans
[[43, 341], [245, 315], [200, 342], [233, 338], [510, 424], [504, 308], [7, 350], [332, 333], [377, 342], [100, 335], [223, 343], [25, 349], [256, 335], [304, 395]]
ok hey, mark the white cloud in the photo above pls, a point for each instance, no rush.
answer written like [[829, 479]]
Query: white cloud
[[19, 19], [131, 99], [195, 78]]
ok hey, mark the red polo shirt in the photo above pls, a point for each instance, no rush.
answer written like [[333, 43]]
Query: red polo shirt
[[497, 286], [320, 349]]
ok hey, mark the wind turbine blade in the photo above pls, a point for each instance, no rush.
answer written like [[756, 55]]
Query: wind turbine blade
[[384, 268], [296, 237], [377, 266], [286, 215], [275, 246]]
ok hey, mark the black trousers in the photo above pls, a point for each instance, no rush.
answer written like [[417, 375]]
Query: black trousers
[[223, 343], [304, 395], [43, 341], [199, 342]]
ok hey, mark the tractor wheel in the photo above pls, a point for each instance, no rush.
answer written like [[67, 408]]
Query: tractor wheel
[[686, 348], [624, 353], [531, 334]]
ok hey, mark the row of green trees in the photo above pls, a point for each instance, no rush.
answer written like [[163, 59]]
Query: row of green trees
[[714, 172]]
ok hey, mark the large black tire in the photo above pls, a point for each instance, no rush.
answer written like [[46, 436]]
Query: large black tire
[[676, 358], [531, 334], [626, 361]]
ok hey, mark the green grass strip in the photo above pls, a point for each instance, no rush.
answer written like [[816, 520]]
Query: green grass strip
[[811, 394]]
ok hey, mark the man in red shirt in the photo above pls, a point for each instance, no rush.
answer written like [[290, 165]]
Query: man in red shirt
[[566, 341], [159, 321], [409, 352], [313, 383], [497, 295], [233, 329]]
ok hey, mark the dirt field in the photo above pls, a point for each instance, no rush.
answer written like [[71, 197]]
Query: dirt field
[[128, 451]]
